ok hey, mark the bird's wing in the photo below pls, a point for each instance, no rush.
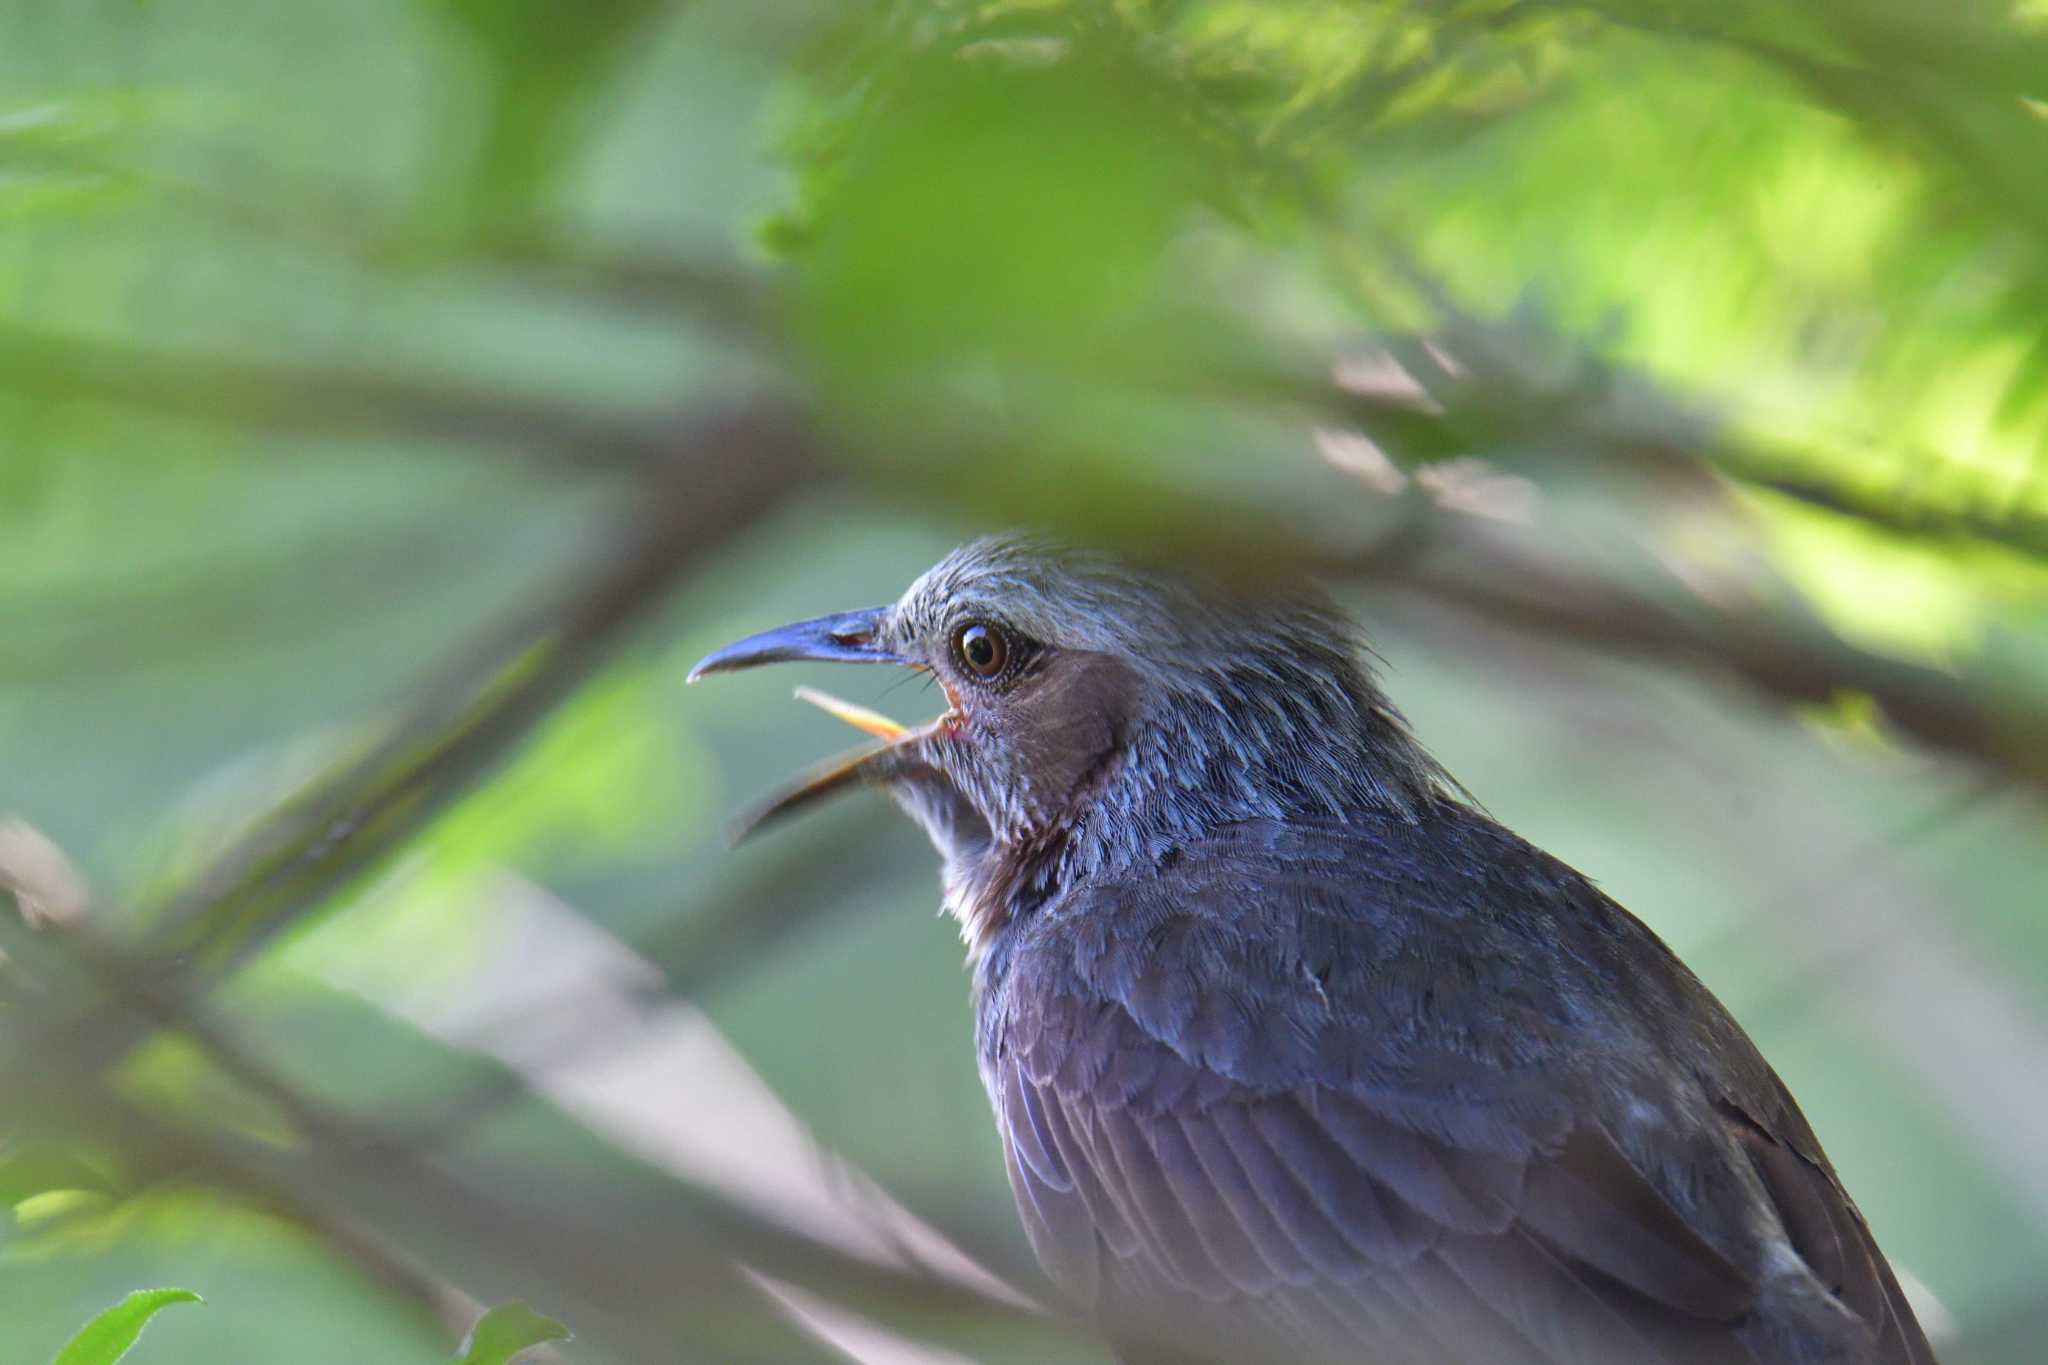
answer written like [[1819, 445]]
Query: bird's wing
[[1352, 1235], [1266, 1129], [1828, 1232]]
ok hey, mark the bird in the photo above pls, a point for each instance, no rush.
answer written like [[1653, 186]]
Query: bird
[[1296, 1053]]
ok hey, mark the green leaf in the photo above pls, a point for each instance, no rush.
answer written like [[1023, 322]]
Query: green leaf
[[504, 1332], [107, 1337]]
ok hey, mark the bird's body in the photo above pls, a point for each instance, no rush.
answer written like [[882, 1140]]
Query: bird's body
[[1439, 1100], [1296, 1055]]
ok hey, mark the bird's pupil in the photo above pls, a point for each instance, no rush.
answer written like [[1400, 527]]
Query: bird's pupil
[[983, 650]]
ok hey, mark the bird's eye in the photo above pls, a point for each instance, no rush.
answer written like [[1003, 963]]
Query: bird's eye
[[983, 650]]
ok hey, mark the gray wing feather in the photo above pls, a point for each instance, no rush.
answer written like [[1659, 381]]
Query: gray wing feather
[[1348, 1171]]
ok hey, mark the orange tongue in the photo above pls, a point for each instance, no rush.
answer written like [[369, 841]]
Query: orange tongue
[[859, 717]]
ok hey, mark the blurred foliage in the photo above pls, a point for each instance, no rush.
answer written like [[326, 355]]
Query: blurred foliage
[[396, 397]]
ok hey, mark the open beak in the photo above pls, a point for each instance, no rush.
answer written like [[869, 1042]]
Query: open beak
[[849, 637]]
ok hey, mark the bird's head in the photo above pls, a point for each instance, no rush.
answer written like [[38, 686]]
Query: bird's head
[[1099, 711]]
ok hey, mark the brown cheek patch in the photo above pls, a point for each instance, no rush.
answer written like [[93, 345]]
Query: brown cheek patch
[[1070, 718]]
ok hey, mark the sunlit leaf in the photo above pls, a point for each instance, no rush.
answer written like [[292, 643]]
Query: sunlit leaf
[[502, 1333], [107, 1337]]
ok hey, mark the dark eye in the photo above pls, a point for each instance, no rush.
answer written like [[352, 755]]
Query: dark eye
[[983, 650]]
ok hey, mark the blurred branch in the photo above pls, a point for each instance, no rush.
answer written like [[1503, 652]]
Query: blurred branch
[[1786, 655], [723, 474], [721, 939], [2014, 527], [126, 624], [50, 896], [740, 306], [1508, 387], [298, 401], [246, 194], [1492, 391], [625, 1268]]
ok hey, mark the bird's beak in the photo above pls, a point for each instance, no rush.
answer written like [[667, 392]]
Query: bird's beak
[[849, 637]]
